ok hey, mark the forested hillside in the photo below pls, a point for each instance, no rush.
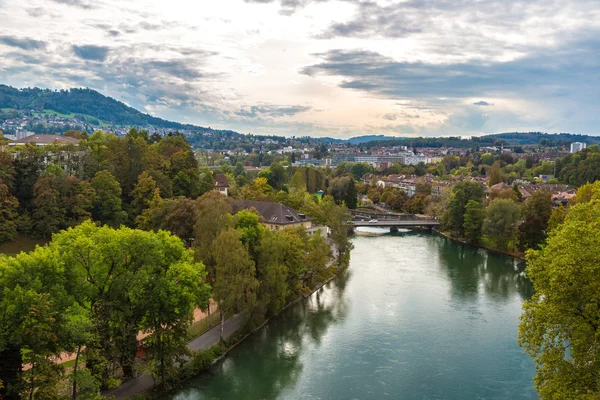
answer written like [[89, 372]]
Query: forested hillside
[[80, 101]]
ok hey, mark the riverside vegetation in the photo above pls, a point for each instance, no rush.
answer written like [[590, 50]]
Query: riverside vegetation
[[121, 212]]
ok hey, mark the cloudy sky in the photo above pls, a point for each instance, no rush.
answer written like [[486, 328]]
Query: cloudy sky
[[336, 68]]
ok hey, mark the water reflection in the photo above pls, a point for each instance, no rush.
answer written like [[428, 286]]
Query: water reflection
[[472, 271]]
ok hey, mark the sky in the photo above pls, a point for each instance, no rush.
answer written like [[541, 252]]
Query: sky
[[338, 68]]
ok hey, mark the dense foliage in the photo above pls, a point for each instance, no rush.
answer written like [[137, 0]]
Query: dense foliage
[[559, 327]]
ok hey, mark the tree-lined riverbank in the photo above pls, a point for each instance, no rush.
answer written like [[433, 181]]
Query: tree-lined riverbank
[[415, 314]]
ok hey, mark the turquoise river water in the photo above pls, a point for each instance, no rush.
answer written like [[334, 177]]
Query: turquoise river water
[[415, 316]]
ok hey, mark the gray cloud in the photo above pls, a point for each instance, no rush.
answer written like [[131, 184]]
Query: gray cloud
[[566, 69], [85, 4], [271, 111], [23, 43], [91, 52], [289, 7], [375, 20], [454, 17], [482, 103]]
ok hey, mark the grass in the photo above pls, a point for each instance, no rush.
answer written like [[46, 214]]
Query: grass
[[70, 115], [203, 325], [21, 243], [7, 109], [52, 112]]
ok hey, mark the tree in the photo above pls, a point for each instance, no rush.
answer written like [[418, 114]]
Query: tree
[[453, 215], [48, 215], [235, 285], [298, 180], [129, 280], [560, 323], [107, 202], [142, 194], [502, 218], [473, 221], [531, 233], [536, 210], [258, 190], [496, 174], [8, 213], [336, 219], [556, 218], [343, 189], [34, 305], [213, 214]]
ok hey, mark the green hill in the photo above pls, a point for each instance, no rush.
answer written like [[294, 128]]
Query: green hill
[[81, 101]]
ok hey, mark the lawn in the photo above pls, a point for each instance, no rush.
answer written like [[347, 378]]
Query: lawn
[[21, 243]]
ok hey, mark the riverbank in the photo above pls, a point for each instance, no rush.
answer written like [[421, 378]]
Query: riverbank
[[515, 254], [376, 330], [204, 348]]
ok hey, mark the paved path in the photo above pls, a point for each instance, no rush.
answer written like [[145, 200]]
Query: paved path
[[144, 383]]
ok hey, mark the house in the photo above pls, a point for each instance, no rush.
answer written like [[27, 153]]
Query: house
[[221, 183], [45, 140], [277, 216]]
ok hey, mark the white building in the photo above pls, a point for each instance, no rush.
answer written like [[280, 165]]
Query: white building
[[577, 146]]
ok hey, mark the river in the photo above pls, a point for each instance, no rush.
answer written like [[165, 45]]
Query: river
[[415, 316]]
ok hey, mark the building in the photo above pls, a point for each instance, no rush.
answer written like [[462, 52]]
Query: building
[[221, 184], [44, 140], [577, 146], [277, 216]]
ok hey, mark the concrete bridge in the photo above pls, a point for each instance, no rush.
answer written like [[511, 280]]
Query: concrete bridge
[[396, 224]]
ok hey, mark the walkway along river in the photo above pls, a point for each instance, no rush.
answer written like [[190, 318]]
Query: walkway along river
[[416, 316]]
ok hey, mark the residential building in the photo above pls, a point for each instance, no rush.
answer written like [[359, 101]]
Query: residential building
[[44, 140], [221, 183], [577, 146], [277, 216]]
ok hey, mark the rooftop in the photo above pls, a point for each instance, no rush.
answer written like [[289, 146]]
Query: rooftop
[[272, 213], [46, 139]]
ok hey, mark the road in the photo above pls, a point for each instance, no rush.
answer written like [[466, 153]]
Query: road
[[144, 383]]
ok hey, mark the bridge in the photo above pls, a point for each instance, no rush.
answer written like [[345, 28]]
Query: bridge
[[413, 223]]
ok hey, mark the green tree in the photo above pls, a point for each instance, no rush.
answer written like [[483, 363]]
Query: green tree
[[142, 194], [501, 221], [48, 213], [8, 214], [122, 277], [473, 221], [298, 180], [34, 306], [496, 175], [344, 190], [213, 214], [107, 202], [536, 210], [556, 218], [454, 212], [235, 285], [560, 323]]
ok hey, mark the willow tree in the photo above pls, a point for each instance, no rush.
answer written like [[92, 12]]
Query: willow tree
[[560, 326]]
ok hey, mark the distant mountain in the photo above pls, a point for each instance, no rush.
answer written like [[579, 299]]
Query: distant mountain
[[531, 138], [81, 101], [371, 138]]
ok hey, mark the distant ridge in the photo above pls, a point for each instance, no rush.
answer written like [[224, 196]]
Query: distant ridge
[[94, 104]]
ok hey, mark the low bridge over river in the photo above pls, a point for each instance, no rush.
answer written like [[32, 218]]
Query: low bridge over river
[[394, 225]]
